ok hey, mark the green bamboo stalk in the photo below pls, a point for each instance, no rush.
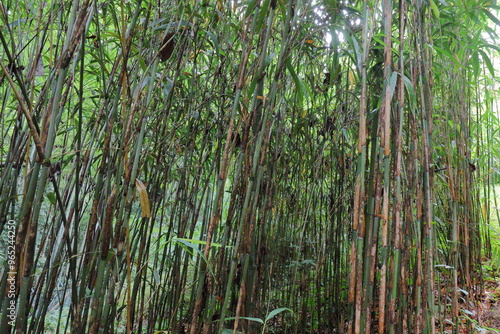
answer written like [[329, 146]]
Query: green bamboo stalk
[[356, 263], [385, 139], [394, 297]]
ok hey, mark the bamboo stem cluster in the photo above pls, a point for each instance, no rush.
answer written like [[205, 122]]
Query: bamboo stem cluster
[[240, 166]]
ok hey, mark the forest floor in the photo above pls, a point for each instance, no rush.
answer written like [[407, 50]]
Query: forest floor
[[489, 313]]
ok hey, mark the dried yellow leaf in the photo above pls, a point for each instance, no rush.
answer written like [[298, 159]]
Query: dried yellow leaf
[[143, 195]]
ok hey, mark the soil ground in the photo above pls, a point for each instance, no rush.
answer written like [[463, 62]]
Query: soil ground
[[490, 308]]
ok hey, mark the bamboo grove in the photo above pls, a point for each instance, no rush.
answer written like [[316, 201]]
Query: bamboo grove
[[257, 166]]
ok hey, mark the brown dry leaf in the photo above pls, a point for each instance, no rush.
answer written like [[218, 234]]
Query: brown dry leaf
[[167, 47]]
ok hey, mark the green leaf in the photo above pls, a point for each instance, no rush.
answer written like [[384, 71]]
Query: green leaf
[[186, 244], [52, 198], [299, 84], [262, 14], [346, 135], [259, 320], [18, 22], [268, 59], [411, 93], [357, 51], [174, 25], [250, 7], [488, 62], [214, 41], [434, 8], [200, 242], [491, 16], [167, 87], [446, 53], [273, 313], [156, 276], [475, 63]]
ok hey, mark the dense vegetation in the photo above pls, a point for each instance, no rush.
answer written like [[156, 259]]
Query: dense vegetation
[[256, 166]]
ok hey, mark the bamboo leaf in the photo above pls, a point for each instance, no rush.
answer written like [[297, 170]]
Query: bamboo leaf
[[299, 84], [357, 51], [491, 16], [260, 321], [411, 93], [273, 313], [52, 198], [187, 245], [167, 87], [214, 41], [250, 7], [434, 8], [174, 25], [143, 195], [268, 59], [350, 76], [201, 242], [168, 46], [447, 53], [475, 63], [488, 62]]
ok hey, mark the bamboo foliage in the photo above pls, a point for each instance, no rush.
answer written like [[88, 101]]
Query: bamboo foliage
[[241, 166]]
